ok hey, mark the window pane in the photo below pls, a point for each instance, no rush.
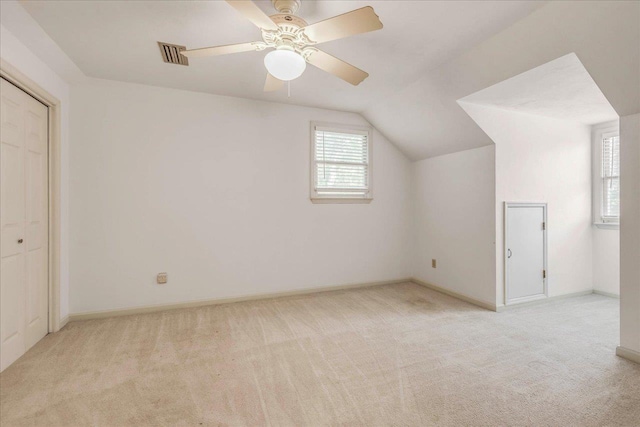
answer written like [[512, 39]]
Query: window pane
[[341, 176], [610, 178], [611, 156], [341, 147], [611, 205]]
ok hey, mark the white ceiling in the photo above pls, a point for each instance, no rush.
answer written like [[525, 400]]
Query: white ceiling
[[560, 89], [117, 40], [429, 55]]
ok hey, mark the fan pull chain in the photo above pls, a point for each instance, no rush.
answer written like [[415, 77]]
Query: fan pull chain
[[289, 89]]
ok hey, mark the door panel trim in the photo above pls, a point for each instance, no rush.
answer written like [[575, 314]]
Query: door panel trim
[[23, 82], [508, 205]]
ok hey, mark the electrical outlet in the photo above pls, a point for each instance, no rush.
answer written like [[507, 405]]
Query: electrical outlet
[[162, 278], [433, 263]]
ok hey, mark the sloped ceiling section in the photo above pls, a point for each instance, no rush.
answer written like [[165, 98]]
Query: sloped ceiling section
[[428, 55], [21, 25], [561, 89]]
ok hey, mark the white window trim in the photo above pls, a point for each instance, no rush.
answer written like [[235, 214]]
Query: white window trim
[[598, 132], [313, 195]]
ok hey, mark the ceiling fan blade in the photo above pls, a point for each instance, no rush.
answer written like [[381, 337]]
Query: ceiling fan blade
[[355, 22], [272, 84], [337, 67], [222, 50], [253, 13]]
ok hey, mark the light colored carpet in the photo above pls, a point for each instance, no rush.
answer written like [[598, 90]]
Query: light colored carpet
[[387, 355]]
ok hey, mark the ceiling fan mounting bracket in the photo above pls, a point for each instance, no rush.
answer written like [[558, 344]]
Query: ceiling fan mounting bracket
[[286, 6], [283, 19], [260, 46], [307, 52]]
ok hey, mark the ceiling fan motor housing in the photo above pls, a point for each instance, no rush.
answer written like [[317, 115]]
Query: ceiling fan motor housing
[[289, 35]]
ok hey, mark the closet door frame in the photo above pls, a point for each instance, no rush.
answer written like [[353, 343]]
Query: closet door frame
[[17, 78]]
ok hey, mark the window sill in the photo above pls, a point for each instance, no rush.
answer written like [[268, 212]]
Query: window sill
[[340, 200], [607, 225]]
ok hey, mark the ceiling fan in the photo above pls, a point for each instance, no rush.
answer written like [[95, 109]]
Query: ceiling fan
[[294, 41]]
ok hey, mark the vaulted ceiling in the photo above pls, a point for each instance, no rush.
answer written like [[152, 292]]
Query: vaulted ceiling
[[428, 55]]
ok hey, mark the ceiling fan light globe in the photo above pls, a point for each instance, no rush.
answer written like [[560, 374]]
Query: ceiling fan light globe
[[284, 64]]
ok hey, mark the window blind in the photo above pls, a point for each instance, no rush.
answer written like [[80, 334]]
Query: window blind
[[611, 179], [341, 163]]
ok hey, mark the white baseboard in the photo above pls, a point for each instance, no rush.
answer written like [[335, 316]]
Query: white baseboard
[[606, 294], [200, 303], [627, 353], [457, 295], [63, 322], [503, 307]]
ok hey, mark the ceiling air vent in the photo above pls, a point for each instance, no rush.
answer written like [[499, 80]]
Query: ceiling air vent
[[171, 54]]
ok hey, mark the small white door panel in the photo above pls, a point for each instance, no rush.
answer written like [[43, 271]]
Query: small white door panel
[[12, 184], [525, 247], [12, 316]]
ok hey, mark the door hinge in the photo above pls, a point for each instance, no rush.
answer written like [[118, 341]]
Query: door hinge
[[544, 225], [544, 274]]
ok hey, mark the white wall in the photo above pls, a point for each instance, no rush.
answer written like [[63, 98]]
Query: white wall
[[454, 222], [606, 260], [541, 159], [20, 57], [215, 191], [630, 233]]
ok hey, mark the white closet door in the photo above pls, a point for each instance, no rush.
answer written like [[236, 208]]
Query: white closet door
[[525, 252], [23, 222]]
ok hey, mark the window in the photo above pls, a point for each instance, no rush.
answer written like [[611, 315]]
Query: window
[[341, 163], [606, 175], [610, 173]]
